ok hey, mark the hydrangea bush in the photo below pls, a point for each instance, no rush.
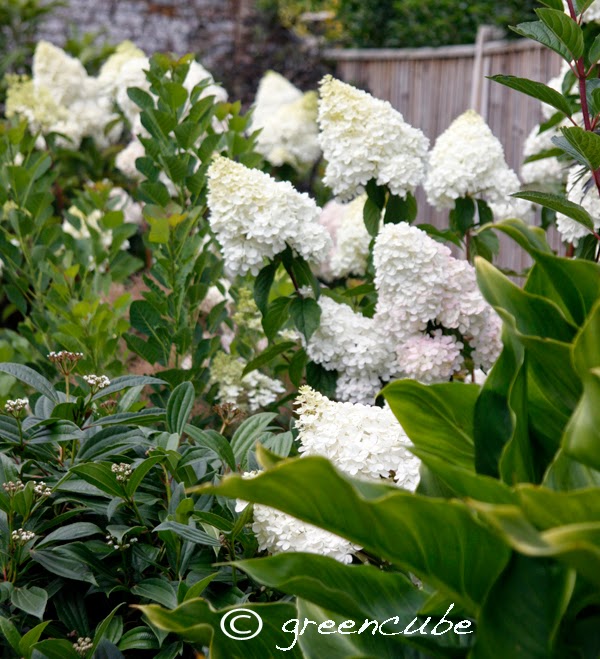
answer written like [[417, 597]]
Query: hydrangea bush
[[218, 394]]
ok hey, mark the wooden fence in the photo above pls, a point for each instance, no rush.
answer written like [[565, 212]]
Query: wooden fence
[[432, 86]]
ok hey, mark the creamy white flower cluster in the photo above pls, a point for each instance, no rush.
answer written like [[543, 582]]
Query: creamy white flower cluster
[[21, 536], [113, 542], [254, 217], [467, 160], [364, 138], [350, 238], [287, 119], [422, 289], [546, 173], [122, 471], [277, 532], [83, 645], [16, 406], [350, 343], [580, 190], [420, 284], [41, 490], [61, 97], [96, 382], [363, 441], [360, 440], [12, 487], [251, 392]]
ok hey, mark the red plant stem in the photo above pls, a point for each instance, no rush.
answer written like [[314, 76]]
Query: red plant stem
[[581, 76]]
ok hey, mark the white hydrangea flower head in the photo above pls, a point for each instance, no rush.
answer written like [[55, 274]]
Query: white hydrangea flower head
[[547, 172], [556, 83], [352, 387], [197, 74], [62, 98], [36, 106], [485, 336], [350, 343], [251, 392], [364, 138], [410, 272], [132, 73], [287, 119], [125, 160], [277, 532], [582, 191], [430, 358], [360, 440], [122, 201], [62, 75], [467, 160], [109, 77], [254, 217], [350, 252]]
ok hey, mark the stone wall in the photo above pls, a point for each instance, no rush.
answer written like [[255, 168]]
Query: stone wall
[[231, 38], [209, 28]]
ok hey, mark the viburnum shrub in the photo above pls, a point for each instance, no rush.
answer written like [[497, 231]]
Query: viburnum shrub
[[313, 414]]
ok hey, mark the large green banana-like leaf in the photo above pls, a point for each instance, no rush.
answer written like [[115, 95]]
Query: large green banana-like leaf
[[438, 540]]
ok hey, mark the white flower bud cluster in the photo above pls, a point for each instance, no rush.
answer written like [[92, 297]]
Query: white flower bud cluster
[[113, 542], [580, 190], [15, 407], [41, 490], [96, 382], [364, 138], [467, 160], [122, 471], [13, 487], [254, 217], [21, 536], [83, 645]]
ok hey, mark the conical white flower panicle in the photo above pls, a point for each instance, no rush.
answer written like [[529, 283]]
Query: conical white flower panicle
[[287, 119], [467, 160], [360, 440], [364, 138], [254, 217]]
